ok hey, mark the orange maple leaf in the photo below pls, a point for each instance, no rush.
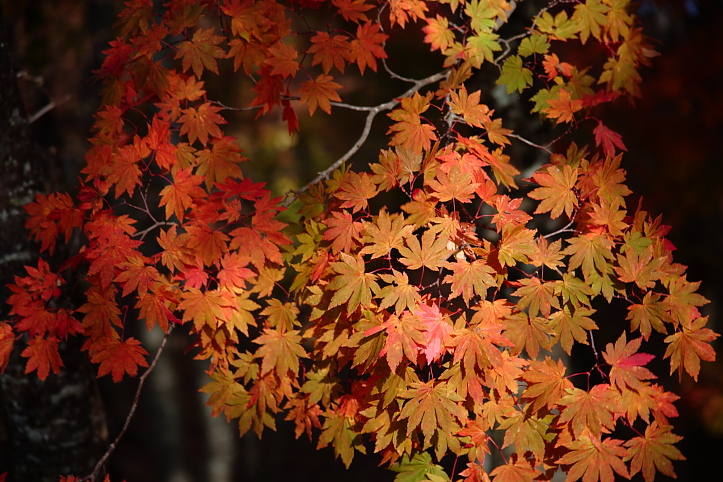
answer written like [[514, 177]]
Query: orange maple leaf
[[319, 93], [330, 51], [556, 192], [627, 364], [592, 459], [654, 451], [689, 345], [179, 195], [202, 122], [409, 131], [404, 339], [368, 46], [201, 52], [563, 108]]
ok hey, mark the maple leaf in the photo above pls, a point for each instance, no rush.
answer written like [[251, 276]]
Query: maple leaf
[[589, 17], [202, 122], [330, 51], [282, 60], [417, 468], [280, 350], [608, 139], [557, 194], [546, 383], [401, 294], [469, 279], [409, 132], [201, 52], [627, 364], [118, 357], [455, 185], [592, 459], [650, 314], [653, 451], [368, 46], [355, 189], [7, 339], [136, 274], [475, 346], [211, 307], [234, 272], [220, 163], [438, 34], [385, 233], [179, 195], [208, 244], [404, 338], [517, 244], [400, 11], [591, 251], [475, 472], [353, 285], [468, 106], [352, 10], [519, 471], [689, 345], [563, 107], [124, 172], [431, 405], [437, 330], [343, 231], [570, 325], [528, 333], [432, 252], [589, 411], [514, 75], [537, 296], [319, 93]]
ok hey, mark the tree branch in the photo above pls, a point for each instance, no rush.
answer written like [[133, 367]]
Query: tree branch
[[372, 112], [111, 448]]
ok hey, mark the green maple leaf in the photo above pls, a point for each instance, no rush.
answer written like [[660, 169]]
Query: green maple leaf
[[417, 468], [589, 17], [514, 75], [338, 431]]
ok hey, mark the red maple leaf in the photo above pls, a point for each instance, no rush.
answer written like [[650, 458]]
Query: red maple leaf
[[118, 357], [368, 46], [608, 139], [437, 330], [42, 354]]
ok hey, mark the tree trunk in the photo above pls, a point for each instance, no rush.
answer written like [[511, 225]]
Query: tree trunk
[[55, 427]]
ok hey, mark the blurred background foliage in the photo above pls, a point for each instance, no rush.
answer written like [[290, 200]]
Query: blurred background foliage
[[674, 162]]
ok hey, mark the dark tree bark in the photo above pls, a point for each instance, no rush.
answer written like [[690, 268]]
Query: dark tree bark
[[55, 427]]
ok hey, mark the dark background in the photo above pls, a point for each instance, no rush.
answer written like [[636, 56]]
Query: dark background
[[674, 161]]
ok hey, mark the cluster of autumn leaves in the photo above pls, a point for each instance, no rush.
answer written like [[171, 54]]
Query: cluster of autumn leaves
[[421, 327]]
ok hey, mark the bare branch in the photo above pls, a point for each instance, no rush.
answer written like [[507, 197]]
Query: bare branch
[[372, 112]]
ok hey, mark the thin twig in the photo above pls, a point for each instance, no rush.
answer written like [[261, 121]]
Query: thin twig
[[111, 448], [372, 112], [47, 108]]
